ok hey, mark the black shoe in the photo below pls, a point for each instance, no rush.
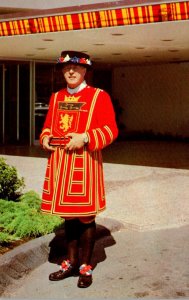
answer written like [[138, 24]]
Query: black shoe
[[84, 281], [60, 275]]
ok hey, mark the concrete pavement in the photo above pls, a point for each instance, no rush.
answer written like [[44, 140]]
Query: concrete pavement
[[130, 264], [141, 197], [144, 253]]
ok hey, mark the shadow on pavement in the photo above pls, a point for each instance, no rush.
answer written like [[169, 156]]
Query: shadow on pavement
[[58, 246]]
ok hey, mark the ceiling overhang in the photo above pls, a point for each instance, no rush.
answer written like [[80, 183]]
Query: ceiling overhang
[[110, 31]]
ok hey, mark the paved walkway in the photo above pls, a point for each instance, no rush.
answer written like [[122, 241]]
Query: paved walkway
[[145, 253], [131, 264], [140, 193]]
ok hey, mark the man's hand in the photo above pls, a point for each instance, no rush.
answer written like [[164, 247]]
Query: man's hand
[[76, 141], [46, 143]]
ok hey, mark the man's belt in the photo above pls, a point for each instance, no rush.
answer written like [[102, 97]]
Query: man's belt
[[59, 141]]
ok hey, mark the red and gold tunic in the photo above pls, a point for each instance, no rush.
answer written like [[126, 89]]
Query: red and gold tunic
[[74, 183]]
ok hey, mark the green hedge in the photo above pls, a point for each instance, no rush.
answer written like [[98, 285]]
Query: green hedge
[[24, 218], [10, 184]]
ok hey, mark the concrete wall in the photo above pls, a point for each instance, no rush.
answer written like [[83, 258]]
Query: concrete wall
[[155, 99]]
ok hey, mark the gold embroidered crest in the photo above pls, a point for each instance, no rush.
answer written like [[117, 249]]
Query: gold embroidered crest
[[65, 122], [70, 105], [71, 98]]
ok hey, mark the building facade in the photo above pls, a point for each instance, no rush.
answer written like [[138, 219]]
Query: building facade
[[151, 96]]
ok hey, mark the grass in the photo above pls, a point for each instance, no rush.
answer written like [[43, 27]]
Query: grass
[[23, 219]]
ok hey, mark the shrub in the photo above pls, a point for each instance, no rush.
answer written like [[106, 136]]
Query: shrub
[[5, 238], [24, 218], [10, 185]]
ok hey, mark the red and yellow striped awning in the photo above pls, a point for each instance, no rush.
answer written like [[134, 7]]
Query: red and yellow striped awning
[[97, 19]]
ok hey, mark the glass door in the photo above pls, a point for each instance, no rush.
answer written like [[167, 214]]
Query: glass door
[[11, 109], [24, 103], [14, 103], [47, 81], [2, 104]]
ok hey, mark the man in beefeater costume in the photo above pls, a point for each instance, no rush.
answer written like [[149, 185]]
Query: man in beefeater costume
[[79, 123]]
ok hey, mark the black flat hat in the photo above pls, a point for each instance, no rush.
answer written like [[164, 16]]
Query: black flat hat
[[74, 57]]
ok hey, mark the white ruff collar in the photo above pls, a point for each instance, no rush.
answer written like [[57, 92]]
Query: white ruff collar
[[78, 88]]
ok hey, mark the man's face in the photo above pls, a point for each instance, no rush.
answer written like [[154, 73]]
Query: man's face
[[74, 75]]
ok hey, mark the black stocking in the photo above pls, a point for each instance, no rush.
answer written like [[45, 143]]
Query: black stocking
[[87, 241], [72, 237]]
